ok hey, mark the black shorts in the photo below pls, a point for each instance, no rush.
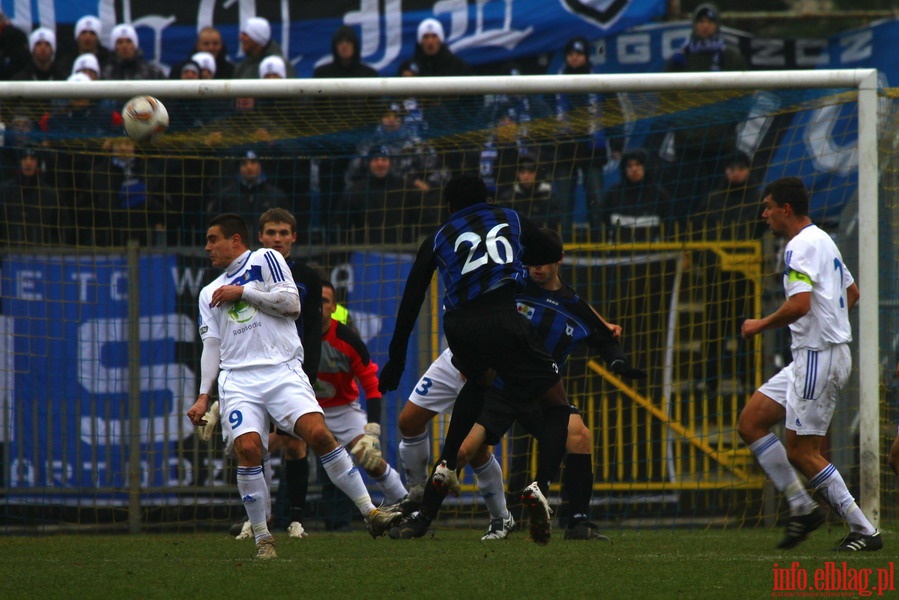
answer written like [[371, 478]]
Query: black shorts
[[500, 412], [488, 333]]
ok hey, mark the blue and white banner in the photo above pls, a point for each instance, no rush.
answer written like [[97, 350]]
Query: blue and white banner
[[67, 331], [374, 284], [821, 146], [482, 32], [66, 408]]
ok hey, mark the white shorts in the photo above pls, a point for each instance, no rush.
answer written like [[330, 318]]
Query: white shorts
[[249, 399], [346, 422], [439, 386], [809, 386]]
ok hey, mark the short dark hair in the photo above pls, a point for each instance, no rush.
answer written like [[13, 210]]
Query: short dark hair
[[738, 159], [327, 284], [789, 190], [277, 215], [527, 164], [463, 191], [232, 224]]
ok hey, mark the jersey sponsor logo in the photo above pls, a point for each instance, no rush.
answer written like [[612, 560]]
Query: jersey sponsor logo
[[569, 329], [247, 328], [524, 309], [204, 329], [241, 312]]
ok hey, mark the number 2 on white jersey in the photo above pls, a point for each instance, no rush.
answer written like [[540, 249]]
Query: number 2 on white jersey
[[476, 256], [838, 266]]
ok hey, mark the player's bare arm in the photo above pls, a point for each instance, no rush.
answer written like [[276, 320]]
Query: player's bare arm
[[852, 295], [196, 412], [226, 294], [795, 307], [894, 456], [613, 327], [280, 302]]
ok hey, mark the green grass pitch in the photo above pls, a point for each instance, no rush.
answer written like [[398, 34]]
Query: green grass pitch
[[450, 563]]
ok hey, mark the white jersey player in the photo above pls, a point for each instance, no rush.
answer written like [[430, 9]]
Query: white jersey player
[[250, 341], [820, 293]]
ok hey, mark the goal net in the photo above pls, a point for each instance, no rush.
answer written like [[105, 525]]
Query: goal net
[[653, 181]]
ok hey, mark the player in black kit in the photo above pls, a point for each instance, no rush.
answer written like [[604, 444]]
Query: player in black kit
[[478, 251]]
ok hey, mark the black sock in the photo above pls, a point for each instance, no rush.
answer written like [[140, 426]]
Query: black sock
[[297, 474], [466, 411], [552, 445], [577, 483]]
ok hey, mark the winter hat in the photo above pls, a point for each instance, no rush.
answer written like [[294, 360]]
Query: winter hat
[[376, 151], [430, 26], [124, 30], [707, 10], [738, 159], [526, 163], [42, 34], [190, 65], [258, 29], [544, 251], [87, 23], [79, 78], [28, 150], [579, 45], [86, 61], [272, 65], [205, 60]]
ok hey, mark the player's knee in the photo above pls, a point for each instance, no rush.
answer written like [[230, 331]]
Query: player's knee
[[478, 458], [579, 439], [748, 429], [411, 423], [248, 448], [465, 455], [321, 439]]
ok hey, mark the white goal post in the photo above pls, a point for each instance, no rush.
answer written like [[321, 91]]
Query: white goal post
[[865, 81]]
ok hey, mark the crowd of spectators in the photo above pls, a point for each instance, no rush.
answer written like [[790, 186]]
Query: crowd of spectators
[[359, 171]]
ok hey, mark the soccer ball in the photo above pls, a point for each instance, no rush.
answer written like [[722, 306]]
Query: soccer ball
[[145, 117]]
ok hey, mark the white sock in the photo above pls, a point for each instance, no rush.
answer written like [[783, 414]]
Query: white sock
[[490, 486], [772, 457], [392, 486], [415, 457], [344, 474], [829, 483], [254, 495]]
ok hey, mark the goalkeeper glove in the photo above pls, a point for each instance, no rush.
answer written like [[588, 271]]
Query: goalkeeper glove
[[390, 376], [211, 417], [618, 367], [368, 449]]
